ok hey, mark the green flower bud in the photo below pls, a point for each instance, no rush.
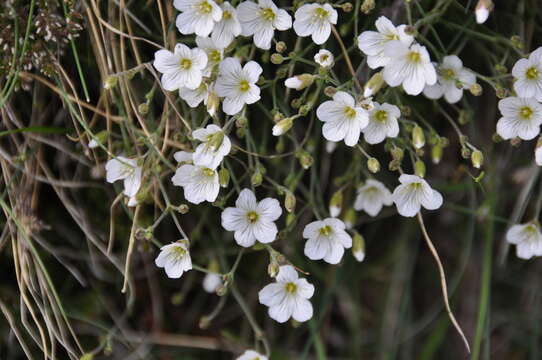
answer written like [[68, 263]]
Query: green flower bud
[[289, 201], [373, 165], [350, 218], [111, 82], [336, 203], [143, 108], [224, 177], [280, 46], [477, 158], [347, 7], [277, 59], [358, 246], [256, 178], [374, 84], [419, 168], [475, 89], [418, 137], [367, 6], [330, 91], [436, 153], [282, 126]]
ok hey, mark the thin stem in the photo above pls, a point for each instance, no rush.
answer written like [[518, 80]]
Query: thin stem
[[346, 56]]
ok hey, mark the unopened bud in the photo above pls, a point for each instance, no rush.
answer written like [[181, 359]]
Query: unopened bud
[[501, 69], [367, 6], [212, 103], [289, 201], [477, 158], [222, 289], [281, 46], [436, 153], [350, 218], [330, 91], [256, 178], [299, 82], [336, 203], [465, 152], [224, 177], [475, 89], [397, 153], [183, 209], [347, 7], [500, 92], [273, 268], [358, 247], [306, 160], [373, 165], [516, 41], [110, 82], [143, 108], [482, 10], [373, 85], [418, 137], [419, 168], [282, 126], [277, 59]]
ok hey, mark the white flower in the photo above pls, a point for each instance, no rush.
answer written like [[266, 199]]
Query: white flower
[[181, 68], [521, 117], [373, 43], [200, 183], [324, 58], [237, 85], [261, 20], [121, 168], [343, 119], [527, 238], [183, 156], [211, 282], [538, 155], [252, 220], [382, 123], [252, 355], [409, 66], [413, 193], [528, 74], [194, 97], [215, 145], [214, 53], [299, 82], [452, 79], [327, 240], [228, 27], [288, 296], [174, 258], [315, 20], [483, 7], [92, 144], [372, 196], [197, 16]]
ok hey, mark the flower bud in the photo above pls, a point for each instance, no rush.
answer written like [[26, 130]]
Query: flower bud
[[282, 126], [212, 103], [290, 219], [516, 41], [273, 268], [336, 203], [482, 10], [500, 92], [256, 178], [222, 289], [306, 160], [143, 108], [277, 59], [330, 91], [299, 82], [350, 218], [436, 153], [358, 246], [367, 6], [419, 168], [373, 85], [280, 46], [501, 69], [373, 165], [289, 201], [111, 82], [295, 103], [397, 153], [477, 158], [465, 152], [101, 137], [418, 137], [347, 7], [475, 89], [223, 177]]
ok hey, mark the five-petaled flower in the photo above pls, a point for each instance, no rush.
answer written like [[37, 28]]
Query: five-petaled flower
[[521, 117], [527, 238], [122, 168], [372, 196], [175, 259], [200, 183], [382, 123], [327, 240], [214, 146], [181, 68], [452, 79], [413, 193], [288, 296], [197, 16], [528, 75], [315, 20]]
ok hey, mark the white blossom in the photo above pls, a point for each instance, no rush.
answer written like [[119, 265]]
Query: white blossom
[[211, 282], [200, 183], [372, 196], [288, 296], [215, 145], [197, 16], [194, 97], [410, 67], [228, 28], [343, 119], [315, 20], [261, 19], [521, 117], [373, 44], [181, 68], [528, 75], [252, 220], [122, 168], [324, 58], [252, 355], [452, 79], [237, 85], [327, 240], [482, 9], [382, 123], [413, 193], [175, 259], [538, 155], [184, 156], [527, 238], [214, 53]]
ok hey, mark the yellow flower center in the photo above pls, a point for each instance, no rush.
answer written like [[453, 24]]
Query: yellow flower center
[[268, 14], [414, 57], [185, 64], [226, 15], [326, 230], [320, 13], [416, 186], [252, 216], [244, 86], [291, 287], [526, 112], [215, 56], [205, 7], [447, 74], [391, 37], [381, 116], [178, 252], [349, 112], [532, 73], [208, 172]]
